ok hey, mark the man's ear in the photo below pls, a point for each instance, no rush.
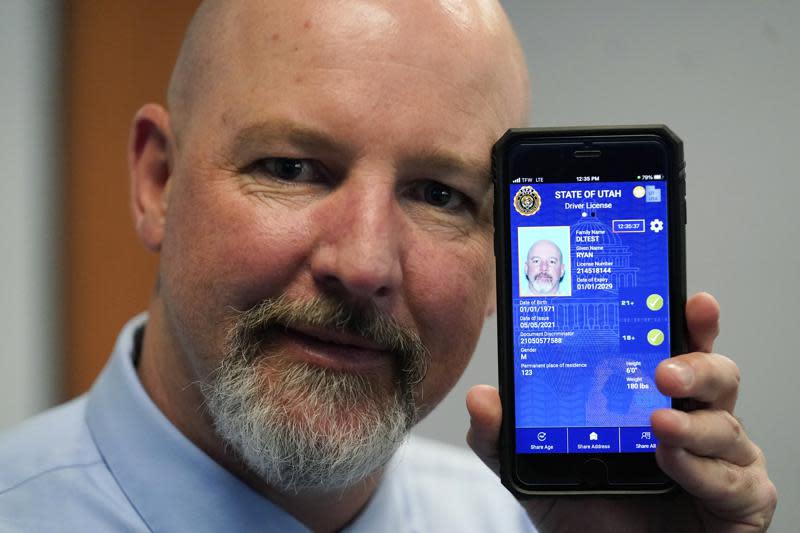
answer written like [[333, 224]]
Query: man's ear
[[491, 302], [150, 164]]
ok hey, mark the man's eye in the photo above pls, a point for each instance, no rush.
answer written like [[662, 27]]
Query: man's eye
[[442, 196], [286, 169]]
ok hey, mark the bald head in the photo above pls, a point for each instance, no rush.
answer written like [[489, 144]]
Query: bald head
[[547, 249], [259, 38], [336, 149]]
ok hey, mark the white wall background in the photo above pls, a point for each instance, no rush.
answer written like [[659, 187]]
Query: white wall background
[[29, 241], [725, 75]]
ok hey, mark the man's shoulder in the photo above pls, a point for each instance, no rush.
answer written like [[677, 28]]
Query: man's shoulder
[[431, 459], [451, 486], [52, 475], [56, 438]]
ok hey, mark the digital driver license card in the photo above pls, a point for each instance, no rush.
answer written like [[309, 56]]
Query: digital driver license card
[[590, 293]]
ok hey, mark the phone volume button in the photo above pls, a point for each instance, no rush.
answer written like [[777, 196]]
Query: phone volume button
[[683, 211]]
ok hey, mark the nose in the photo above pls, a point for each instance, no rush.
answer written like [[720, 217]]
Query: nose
[[358, 250]]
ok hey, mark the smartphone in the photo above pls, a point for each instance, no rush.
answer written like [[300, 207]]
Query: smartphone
[[591, 292]]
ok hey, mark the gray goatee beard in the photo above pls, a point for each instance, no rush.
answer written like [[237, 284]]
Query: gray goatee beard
[[299, 426], [543, 283]]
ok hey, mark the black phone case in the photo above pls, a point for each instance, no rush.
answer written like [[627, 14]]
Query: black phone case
[[677, 253]]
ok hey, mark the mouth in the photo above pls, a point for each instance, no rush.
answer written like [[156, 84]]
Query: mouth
[[334, 349], [544, 277]]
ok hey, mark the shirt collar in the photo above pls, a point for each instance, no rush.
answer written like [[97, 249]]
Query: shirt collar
[[171, 483]]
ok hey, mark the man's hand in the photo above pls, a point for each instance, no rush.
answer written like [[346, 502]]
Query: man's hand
[[706, 451]]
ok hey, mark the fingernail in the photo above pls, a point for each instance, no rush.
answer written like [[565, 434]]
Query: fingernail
[[683, 372]]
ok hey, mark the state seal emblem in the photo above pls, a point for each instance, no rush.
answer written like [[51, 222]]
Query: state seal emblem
[[527, 201]]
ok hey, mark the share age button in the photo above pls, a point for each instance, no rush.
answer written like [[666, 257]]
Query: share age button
[[628, 226], [541, 440]]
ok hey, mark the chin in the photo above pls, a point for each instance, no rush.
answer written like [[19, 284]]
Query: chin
[[301, 426], [544, 289]]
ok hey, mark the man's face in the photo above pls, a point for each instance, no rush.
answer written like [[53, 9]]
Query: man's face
[[322, 168], [544, 268]]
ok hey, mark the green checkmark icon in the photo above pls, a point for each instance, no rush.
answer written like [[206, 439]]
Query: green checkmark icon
[[655, 337], [655, 302]]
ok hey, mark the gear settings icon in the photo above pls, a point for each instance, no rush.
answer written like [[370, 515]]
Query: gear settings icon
[[656, 225]]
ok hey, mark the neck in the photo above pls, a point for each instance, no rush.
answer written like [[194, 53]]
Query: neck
[[171, 382]]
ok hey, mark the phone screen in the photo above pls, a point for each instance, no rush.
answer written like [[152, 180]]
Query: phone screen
[[591, 310]]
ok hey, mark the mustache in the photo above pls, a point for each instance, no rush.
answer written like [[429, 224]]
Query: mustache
[[253, 329], [543, 275]]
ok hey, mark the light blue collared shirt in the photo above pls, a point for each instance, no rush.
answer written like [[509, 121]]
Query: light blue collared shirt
[[111, 461]]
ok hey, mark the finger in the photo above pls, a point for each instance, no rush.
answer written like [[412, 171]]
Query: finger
[[702, 319], [486, 413], [705, 433], [707, 377], [743, 494]]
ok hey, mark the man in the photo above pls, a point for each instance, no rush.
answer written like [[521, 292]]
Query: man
[[317, 168], [544, 269]]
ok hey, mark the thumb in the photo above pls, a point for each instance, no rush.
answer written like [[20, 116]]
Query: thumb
[[486, 413], [702, 319]]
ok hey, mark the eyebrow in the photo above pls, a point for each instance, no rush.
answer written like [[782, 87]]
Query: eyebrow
[[255, 135], [445, 161], [435, 159]]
